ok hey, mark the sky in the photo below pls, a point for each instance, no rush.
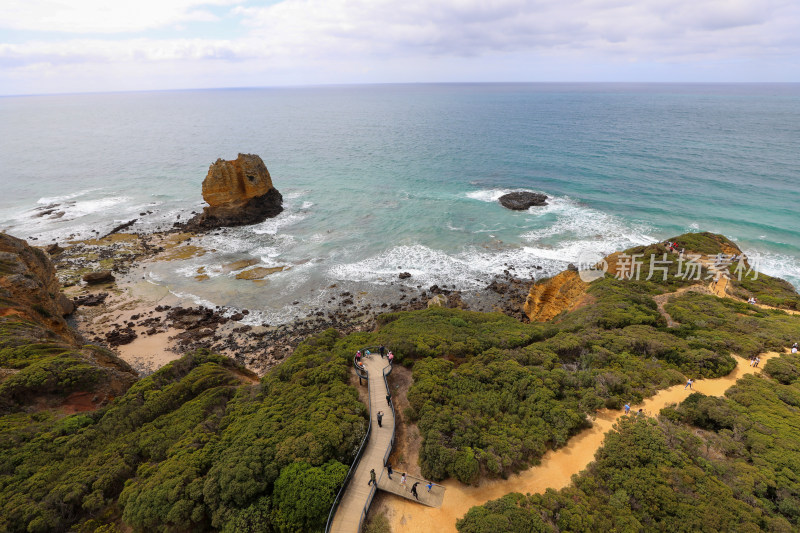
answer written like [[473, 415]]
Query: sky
[[57, 46]]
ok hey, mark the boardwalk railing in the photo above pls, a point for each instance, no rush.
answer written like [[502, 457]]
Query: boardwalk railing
[[386, 372], [355, 461]]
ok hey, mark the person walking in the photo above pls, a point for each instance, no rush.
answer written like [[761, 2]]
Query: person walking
[[389, 470], [627, 408], [403, 480], [389, 399], [794, 348], [414, 490], [371, 477], [688, 384], [391, 358], [380, 419], [382, 350], [429, 485], [758, 360]]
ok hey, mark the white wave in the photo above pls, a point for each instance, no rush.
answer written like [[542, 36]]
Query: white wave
[[307, 205], [488, 195], [579, 227], [193, 297], [470, 269], [777, 265], [86, 207], [272, 225], [47, 200], [293, 195]]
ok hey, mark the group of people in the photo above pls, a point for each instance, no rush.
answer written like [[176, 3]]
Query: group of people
[[627, 408], [390, 471], [367, 354], [754, 361], [752, 300], [673, 247]]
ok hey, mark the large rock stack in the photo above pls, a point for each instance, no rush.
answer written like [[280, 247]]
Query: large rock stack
[[238, 193]]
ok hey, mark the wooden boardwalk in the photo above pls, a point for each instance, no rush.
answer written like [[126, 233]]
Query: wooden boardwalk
[[431, 499], [359, 493]]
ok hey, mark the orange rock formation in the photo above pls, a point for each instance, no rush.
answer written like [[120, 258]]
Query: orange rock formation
[[236, 181], [550, 297]]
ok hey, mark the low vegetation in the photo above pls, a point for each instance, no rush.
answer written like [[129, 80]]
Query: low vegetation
[[709, 464], [190, 448]]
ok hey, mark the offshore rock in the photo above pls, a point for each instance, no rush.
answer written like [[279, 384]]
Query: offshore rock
[[238, 193], [522, 200]]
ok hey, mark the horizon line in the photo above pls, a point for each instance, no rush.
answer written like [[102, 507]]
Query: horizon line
[[384, 84]]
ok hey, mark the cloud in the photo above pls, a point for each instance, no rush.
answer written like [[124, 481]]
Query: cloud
[[412, 34], [103, 16]]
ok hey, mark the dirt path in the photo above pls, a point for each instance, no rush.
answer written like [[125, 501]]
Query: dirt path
[[662, 299], [556, 468]]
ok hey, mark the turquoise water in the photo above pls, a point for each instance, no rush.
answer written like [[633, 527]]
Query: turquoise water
[[383, 179]]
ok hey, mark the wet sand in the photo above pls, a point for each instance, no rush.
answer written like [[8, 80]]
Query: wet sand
[[556, 468]]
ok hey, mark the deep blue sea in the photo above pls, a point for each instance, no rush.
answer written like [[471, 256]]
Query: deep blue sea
[[383, 179]]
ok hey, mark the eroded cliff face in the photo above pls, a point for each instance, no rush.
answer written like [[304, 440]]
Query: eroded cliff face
[[238, 192], [548, 298], [29, 288], [44, 363]]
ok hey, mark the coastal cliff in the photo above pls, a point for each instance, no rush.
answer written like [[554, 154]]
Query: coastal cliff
[[548, 298], [44, 364]]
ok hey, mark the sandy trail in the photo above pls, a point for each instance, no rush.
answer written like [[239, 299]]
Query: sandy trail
[[556, 468]]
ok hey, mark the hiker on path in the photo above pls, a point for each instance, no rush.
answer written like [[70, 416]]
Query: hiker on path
[[389, 470], [414, 490], [371, 477], [389, 399], [755, 363], [794, 348], [382, 350], [688, 384], [627, 408], [380, 419], [403, 480], [391, 358], [429, 485]]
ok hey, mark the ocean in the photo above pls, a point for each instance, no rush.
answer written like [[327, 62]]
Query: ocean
[[384, 179]]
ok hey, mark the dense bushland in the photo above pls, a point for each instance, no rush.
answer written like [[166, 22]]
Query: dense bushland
[[709, 464], [191, 447]]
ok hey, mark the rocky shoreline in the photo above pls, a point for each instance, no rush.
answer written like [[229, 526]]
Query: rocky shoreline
[[108, 314]]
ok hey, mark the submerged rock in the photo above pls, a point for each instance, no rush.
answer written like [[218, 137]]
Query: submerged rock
[[522, 200], [238, 193]]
